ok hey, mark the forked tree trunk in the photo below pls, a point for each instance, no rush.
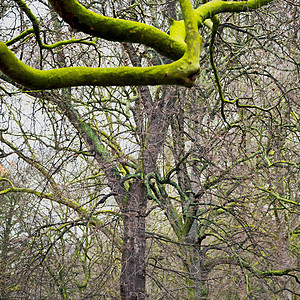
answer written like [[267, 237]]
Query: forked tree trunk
[[133, 271]]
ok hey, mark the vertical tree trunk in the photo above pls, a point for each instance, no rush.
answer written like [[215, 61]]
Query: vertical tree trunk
[[197, 284], [133, 273]]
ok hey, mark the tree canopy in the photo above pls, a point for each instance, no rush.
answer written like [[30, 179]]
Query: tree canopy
[[119, 182]]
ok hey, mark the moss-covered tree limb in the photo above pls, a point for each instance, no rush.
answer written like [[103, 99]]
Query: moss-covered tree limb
[[112, 29], [278, 197], [193, 38], [121, 30], [20, 36], [281, 273], [82, 19], [32, 18], [212, 8], [181, 72]]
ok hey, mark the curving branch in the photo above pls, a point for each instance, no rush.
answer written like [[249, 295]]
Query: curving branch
[[184, 44], [212, 8], [111, 29], [181, 72], [172, 46]]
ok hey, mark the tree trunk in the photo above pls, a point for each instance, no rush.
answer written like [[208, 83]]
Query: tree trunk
[[132, 279], [197, 283]]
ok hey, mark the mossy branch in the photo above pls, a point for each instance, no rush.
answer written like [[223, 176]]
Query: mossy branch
[[181, 72], [111, 29], [33, 19], [164, 201], [281, 273], [278, 197], [212, 8], [20, 36]]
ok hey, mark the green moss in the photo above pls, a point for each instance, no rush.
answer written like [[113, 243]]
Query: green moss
[[212, 8], [182, 72], [177, 30], [118, 30], [20, 37]]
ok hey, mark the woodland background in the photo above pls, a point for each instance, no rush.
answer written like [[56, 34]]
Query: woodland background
[[230, 170]]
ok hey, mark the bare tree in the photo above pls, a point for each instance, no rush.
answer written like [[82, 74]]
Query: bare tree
[[208, 170]]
